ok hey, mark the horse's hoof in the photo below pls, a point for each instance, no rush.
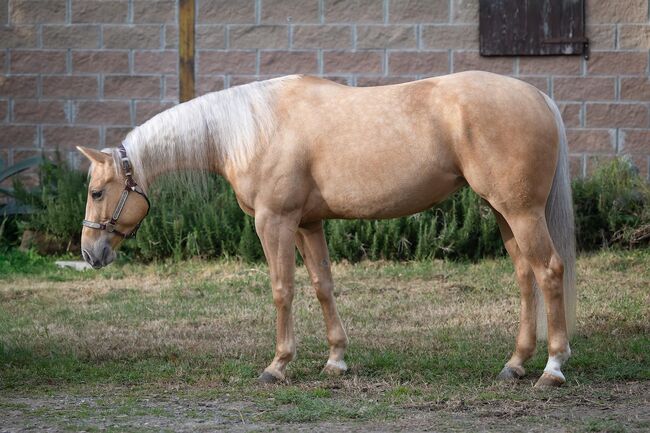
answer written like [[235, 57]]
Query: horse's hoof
[[549, 381], [511, 374], [335, 368], [268, 378]]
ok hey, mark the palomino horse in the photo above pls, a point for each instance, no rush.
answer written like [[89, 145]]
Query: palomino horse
[[298, 150]]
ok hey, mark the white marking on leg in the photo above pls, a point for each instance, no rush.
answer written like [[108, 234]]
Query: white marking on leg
[[554, 364], [341, 365]]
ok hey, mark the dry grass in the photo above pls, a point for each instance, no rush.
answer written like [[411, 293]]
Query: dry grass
[[423, 335]]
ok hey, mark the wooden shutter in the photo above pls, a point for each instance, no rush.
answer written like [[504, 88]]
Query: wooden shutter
[[532, 27]]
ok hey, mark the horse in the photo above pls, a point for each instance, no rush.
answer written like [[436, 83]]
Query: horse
[[298, 150]]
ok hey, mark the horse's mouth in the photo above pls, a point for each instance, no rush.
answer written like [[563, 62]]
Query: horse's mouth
[[107, 257]]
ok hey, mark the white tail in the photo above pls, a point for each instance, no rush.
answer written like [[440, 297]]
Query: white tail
[[559, 217]]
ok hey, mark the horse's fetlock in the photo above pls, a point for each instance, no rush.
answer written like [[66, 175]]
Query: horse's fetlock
[[285, 353], [337, 340], [559, 349], [526, 351]]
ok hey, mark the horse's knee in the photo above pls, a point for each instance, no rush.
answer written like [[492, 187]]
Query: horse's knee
[[524, 275], [323, 290], [523, 272], [283, 297]]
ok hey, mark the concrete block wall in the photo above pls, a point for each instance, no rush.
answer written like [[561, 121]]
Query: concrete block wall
[[82, 72], [86, 71]]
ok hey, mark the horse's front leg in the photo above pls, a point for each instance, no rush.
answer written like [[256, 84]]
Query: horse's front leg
[[313, 248], [277, 234]]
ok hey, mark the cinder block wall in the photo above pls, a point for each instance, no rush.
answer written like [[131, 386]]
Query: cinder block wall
[[83, 72]]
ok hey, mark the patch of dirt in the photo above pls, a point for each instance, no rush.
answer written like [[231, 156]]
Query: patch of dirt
[[614, 407], [618, 407]]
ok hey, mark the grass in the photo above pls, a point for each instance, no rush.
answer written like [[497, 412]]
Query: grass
[[427, 339]]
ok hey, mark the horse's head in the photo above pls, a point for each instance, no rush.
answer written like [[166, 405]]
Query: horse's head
[[112, 212]]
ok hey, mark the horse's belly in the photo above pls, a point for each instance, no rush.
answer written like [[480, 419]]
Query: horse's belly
[[385, 194]]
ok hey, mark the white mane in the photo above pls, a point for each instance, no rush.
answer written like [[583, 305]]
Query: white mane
[[206, 132]]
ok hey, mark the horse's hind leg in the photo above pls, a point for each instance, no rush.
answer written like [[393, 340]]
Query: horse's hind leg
[[311, 243], [526, 338], [532, 236]]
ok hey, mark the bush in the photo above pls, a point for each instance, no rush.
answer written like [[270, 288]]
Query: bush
[[14, 262], [206, 223], [58, 203], [612, 208], [463, 226], [183, 224]]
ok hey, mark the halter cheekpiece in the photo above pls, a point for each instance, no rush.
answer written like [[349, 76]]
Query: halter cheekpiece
[[130, 185]]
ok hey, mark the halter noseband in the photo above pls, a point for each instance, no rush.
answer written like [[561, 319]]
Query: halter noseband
[[129, 186]]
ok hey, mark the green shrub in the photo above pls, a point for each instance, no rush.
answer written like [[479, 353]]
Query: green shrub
[[612, 208], [463, 226], [210, 224], [59, 202], [14, 262], [206, 222]]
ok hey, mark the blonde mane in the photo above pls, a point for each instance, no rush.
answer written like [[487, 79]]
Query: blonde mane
[[206, 132]]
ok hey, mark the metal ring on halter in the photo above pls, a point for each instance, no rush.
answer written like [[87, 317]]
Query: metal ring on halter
[[130, 186]]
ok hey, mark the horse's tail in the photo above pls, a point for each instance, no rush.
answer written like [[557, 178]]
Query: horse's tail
[[559, 217]]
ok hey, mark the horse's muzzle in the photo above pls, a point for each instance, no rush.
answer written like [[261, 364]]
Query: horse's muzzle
[[98, 257]]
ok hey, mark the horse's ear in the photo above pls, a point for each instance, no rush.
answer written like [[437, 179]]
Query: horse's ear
[[94, 155]]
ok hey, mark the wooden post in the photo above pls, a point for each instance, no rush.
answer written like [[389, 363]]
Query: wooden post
[[186, 49]]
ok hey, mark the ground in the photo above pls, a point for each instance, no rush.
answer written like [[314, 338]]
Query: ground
[[178, 346]]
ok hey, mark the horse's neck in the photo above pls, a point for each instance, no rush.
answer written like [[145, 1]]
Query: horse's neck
[[213, 132], [175, 140], [179, 162]]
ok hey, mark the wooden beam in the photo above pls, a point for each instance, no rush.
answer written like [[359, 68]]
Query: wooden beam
[[186, 13]]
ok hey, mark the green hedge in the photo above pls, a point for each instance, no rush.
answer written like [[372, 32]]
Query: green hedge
[[612, 208]]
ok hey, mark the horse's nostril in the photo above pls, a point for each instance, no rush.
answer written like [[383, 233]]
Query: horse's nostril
[[106, 253], [87, 257]]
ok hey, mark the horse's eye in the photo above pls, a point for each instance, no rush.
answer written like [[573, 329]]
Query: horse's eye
[[97, 195]]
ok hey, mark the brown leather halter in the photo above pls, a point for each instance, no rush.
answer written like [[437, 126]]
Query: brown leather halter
[[130, 186]]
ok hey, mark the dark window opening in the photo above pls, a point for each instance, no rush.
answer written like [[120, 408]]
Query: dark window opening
[[532, 28]]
